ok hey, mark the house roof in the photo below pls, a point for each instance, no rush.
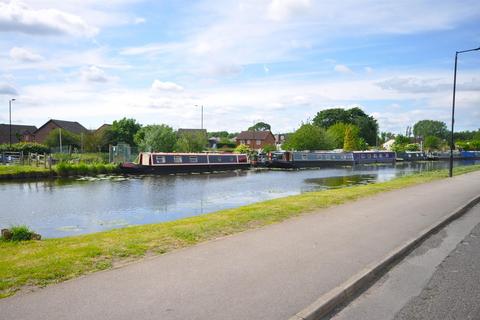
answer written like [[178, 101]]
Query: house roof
[[103, 127], [253, 135], [72, 126], [17, 129]]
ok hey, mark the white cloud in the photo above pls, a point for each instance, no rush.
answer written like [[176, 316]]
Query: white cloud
[[18, 17], [94, 74], [7, 89], [158, 85], [24, 55], [283, 9], [368, 69], [139, 20], [342, 68]]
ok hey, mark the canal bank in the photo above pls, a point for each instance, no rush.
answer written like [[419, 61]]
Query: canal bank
[[268, 273], [39, 263]]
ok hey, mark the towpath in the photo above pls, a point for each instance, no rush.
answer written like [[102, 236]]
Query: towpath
[[267, 273]]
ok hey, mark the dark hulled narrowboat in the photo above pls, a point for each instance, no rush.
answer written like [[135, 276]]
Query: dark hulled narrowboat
[[362, 157], [165, 163], [306, 159]]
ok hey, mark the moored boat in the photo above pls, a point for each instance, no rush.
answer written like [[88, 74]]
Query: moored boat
[[165, 163], [306, 159]]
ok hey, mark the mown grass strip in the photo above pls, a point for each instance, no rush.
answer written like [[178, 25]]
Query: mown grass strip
[[39, 263], [62, 169]]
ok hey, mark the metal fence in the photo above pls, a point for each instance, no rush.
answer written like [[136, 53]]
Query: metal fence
[[122, 152]]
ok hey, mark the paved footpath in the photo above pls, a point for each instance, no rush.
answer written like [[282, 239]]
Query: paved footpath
[[268, 273]]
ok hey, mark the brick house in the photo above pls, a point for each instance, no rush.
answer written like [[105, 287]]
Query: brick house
[[20, 133], [74, 127], [256, 139]]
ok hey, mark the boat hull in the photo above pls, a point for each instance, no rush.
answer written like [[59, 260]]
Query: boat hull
[[173, 169]]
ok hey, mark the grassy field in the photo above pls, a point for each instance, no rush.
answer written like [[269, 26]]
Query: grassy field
[[39, 263]]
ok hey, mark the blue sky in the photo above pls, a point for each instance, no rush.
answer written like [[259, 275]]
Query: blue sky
[[278, 61]]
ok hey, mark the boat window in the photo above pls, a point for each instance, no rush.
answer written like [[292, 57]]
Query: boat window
[[219, 159], [380, 155], [159, 159], [193, 159], [304, 156], [369, 156], [177, 159], [363, 156], [375, 155]]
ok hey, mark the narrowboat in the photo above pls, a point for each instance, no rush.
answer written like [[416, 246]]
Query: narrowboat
[[308, 159], [362, 157], [457, 155], [305, 159], [166, 163], [412, 156]]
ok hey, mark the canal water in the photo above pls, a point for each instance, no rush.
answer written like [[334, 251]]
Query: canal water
[[64, 207]]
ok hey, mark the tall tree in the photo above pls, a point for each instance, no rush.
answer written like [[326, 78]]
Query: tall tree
[[124, 130], [350, 140], [191, 142], [308, 137], [367, 124], [156, 138], [427, 128], [260, 126], [67, 138], [337, 133]]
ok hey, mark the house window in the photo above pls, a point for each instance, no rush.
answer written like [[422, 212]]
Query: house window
[[259, 142], [177, 159], [248, 141], [193, 159], [242, 141]]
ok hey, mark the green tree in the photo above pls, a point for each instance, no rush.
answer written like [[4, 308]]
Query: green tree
[[156, 138], [412, 147], [124, 130], [218, 134], [243, 148], [308, 137], [68, 139], [400, 143], [260, 126], [350, 140], [432, 143], [337, 134], [427, 128], [191, 142], [269, 148], [367, 125]]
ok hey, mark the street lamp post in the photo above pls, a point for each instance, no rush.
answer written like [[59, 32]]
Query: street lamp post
[[450, 171], [10, 118]]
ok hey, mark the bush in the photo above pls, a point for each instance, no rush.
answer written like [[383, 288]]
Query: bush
[[19, 233]]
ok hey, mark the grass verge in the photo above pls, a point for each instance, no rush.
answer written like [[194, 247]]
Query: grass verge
[[62, 169], [39, 263], [22, 171]]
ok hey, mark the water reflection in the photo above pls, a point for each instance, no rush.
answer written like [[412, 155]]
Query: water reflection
[[62, 207]]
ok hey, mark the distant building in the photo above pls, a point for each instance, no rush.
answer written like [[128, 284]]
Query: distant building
[[20, 133], [72, 126], [256, 139], [388, 145], [103, 127]]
